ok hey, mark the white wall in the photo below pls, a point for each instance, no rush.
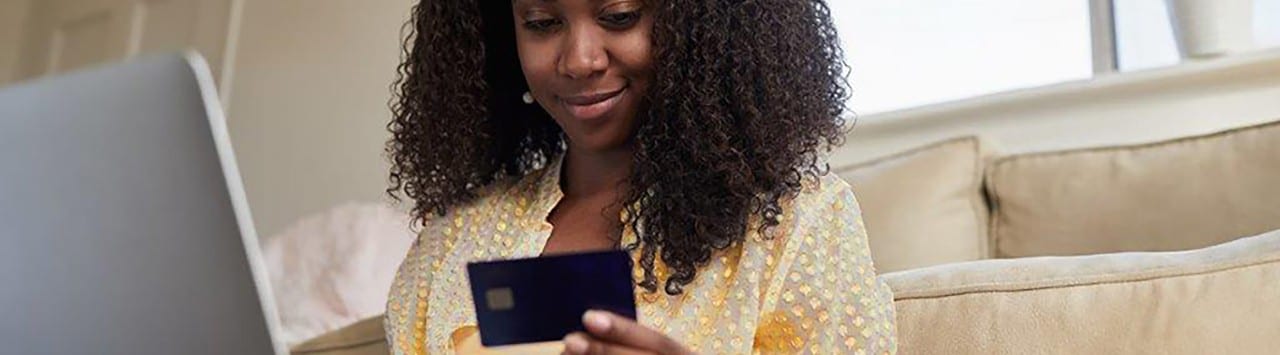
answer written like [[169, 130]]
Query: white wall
[[13, 15], [308, 103]]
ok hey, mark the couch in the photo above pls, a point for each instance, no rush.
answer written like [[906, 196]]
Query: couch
[[1169, 247]]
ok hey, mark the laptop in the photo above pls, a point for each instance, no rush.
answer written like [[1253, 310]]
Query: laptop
[[124, 223]]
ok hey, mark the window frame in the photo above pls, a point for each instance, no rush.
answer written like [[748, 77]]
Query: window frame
[[1102, 26]]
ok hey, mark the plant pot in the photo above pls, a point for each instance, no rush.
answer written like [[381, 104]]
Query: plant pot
[[1211, 28]]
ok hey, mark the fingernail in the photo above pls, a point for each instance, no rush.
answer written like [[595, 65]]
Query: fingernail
[[596, 320], [575, 344]]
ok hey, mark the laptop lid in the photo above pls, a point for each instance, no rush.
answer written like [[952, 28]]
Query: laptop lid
[[124, 221]]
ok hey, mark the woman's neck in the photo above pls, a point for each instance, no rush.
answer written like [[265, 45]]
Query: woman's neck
[[587, 173]]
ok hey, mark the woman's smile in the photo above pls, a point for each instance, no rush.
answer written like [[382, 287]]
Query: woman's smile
[[592, 106]]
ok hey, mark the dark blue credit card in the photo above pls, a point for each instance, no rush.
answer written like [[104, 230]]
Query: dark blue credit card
[[542, 299]]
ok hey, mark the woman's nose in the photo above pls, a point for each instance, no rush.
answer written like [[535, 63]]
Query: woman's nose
[[583, 54]]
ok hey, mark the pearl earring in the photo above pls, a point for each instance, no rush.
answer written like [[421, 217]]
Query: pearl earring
[[527, 98]]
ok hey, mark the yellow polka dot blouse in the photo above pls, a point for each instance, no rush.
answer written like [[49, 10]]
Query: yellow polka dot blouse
[[810, 288]]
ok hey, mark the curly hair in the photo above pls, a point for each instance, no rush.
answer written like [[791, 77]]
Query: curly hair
[[747, 97]]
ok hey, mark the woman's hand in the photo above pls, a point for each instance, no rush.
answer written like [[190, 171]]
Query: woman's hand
[[608, 333]]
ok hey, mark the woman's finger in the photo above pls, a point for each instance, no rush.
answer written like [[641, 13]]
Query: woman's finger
[[583, 344], [611, 328]]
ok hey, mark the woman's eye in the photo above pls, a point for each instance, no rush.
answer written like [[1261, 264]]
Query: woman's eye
[[620, 19], [541, 25]]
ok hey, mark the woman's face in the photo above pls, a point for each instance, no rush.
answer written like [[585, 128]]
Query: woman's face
[[587, 63]]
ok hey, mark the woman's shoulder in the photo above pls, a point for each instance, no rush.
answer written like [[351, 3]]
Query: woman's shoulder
[[822, 221], [824, 207], [824, 212], [824, 194], [489, 203]]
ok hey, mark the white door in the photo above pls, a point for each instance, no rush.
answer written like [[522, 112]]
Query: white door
[[64, 35]]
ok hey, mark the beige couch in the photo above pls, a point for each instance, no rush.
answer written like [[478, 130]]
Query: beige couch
[[1163, 248]]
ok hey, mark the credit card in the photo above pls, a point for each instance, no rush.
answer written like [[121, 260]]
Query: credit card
[[542, 299]]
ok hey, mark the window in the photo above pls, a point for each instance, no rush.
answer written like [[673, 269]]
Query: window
[[907, 53]]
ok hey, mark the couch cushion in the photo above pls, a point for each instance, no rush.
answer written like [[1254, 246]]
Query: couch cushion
[[924, 206], [1174, 195], [1219, 300], [366, 337]]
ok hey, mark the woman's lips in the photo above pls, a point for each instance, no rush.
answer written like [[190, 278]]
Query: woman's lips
[[587, 107]]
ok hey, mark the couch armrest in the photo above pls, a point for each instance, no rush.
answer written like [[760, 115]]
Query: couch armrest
[[1223, 299]]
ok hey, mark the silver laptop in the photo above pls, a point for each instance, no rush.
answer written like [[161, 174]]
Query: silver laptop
[[124, 223]]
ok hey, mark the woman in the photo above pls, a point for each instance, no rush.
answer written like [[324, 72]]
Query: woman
[[687, 132]]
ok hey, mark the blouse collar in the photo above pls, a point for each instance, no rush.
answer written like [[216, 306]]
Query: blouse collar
[[548, 194]]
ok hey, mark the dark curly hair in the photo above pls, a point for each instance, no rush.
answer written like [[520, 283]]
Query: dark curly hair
[[747, 96]]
